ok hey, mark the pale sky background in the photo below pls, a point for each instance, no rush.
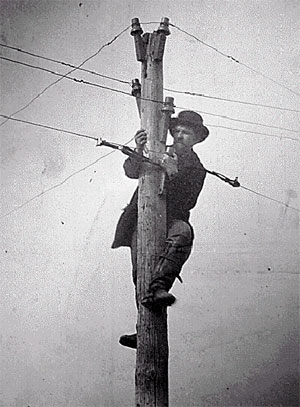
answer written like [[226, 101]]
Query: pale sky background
[[67, 297]]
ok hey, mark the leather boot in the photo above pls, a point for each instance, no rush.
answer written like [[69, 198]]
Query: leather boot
[[157, 299], [168, 268], [158, 296], [130, 341]]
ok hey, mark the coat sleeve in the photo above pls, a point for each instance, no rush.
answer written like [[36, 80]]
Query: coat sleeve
[[132, 168]]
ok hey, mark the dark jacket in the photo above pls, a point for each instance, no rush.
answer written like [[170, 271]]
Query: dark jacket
[[182, 192]]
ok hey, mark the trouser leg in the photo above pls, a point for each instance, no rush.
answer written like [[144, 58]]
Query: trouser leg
[[133, 250], [177, 249], [130, 341], [176, 252]]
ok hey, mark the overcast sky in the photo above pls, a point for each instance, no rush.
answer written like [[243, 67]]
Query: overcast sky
[[56, 249]]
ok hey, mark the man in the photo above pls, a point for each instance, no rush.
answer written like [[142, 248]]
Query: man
[[184, 182]]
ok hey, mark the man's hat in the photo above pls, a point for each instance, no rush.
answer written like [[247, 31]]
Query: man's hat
[[193, 120]]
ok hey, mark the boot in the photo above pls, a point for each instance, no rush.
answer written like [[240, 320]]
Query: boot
[[130, 341], [164, 276], [157, 299]]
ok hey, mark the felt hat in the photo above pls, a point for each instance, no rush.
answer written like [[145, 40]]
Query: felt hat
[[193, 120]]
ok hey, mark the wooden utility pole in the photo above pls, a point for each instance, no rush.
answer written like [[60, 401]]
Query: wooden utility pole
[[151, 377]]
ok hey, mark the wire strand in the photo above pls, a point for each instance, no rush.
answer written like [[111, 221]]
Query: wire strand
[[231, 100], [54, 186], [60, 183], [65, 64], [234, 59], [70, 78], [103, 87], [253, 132], [244, 121], [106, 155], [81, 81], [197, 94], [270, 198], [68, 73], [90, 137], [48, 127]]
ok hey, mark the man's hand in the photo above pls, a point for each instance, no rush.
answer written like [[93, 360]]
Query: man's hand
[[170, 164], [140, 140]]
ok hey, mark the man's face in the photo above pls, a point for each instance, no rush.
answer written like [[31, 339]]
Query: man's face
[[184, 138]]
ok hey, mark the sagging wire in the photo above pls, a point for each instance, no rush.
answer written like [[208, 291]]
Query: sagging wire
[[131, 153], [123, 148], [69, 78], [48, 127], [233, 182], [243, 102], [65, 64], [234, 59], [62, 182], [66, 75], [243, 121], [81, 81], [189, 93]]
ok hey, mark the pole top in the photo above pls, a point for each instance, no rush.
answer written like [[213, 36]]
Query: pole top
[[136, 27], [164, 26]]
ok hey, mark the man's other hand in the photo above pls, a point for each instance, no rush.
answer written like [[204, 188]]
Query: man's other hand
[[170, 164], [140, 140]]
